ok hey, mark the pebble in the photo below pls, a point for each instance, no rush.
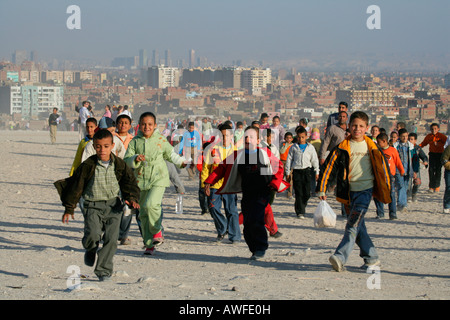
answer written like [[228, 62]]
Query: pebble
[[146, 279]]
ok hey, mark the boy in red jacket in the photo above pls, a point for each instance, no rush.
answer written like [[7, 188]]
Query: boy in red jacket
[[394, 162], [436, 140]]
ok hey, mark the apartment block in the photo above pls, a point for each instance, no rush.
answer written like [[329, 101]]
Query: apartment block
[[163, 77], [30, 101]]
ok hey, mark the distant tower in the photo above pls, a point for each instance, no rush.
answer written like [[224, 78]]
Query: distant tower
[[142, 58], [168, 60], [191, 58], [155, 58]]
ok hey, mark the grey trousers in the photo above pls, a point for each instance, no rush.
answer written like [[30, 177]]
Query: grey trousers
[[101, 222]]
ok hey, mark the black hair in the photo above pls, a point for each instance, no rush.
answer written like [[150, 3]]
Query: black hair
[[102, 134], [147, 114], [383, 137], [359, 115], [300, 129], [402, 131], [343, 103], [253, 128], [123, 116], [413, 134], [92, 120], [224, 126], [434, 124], [288, 134]]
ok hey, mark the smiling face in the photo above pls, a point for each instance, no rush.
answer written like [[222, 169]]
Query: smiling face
[[123, 125], [103, 148], [90, 128], [434, 129], [358, 128], [147, 126]]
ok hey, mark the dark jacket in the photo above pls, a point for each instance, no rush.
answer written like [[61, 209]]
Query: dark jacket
[[71, 189], [337, 166]]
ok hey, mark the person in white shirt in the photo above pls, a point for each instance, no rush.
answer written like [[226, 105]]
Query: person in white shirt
[[84, 115], [301, 157]]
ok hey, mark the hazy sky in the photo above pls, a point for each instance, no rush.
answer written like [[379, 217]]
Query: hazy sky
[[223, 30]]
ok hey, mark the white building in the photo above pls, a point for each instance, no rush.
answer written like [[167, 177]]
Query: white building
[[30, 101], [255, 78], [163, 77]]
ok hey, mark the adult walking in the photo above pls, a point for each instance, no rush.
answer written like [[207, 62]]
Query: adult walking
[[84, 115], [53, 124]]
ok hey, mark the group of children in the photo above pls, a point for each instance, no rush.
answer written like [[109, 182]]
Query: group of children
[[130, 173]]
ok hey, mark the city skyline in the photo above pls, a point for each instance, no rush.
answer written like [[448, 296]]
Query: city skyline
[[306, 34]]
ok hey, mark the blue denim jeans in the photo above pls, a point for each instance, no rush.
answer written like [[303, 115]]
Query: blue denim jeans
[[355, 229], [392, 206], [228, 222], [402, 184], [447, 189]]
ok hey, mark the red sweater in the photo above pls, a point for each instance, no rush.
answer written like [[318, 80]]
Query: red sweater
[[430, 139], [394, 160]]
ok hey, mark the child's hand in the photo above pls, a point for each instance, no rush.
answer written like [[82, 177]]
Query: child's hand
[[184, 164], [140, 158], [323, 197], [317, 177], [65, 217], [425, 164], [207, 191], [132, 204]]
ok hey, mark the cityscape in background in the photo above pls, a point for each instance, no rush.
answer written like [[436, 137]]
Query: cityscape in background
[[196, 87]]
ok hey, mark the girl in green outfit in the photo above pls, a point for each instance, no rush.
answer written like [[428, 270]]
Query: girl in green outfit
[[146, 154]]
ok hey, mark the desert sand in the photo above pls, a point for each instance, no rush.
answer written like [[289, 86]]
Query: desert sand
[[42, 259]]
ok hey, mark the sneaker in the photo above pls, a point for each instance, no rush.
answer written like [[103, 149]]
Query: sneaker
[[403, 210], [158, 241], [301, 216], [277, 234], [336, 263], [89, 258], [104, 278], [414, 198], [125, 242], [149, 251], [447, 210], [437, 189], [368, 266], [257, 255], [431, 190], [393, 218]]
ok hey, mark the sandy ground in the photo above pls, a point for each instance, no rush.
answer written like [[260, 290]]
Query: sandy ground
[[39, 255]]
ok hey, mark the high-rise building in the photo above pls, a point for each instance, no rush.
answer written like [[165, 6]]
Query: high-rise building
[[155, 58], [168, 58], [163, 77], [191, 58], [142, 58], [255, 78], [447, 80], [19, 56], [232, 77]]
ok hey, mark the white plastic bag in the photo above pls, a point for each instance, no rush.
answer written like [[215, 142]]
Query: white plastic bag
[[324, 216]]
